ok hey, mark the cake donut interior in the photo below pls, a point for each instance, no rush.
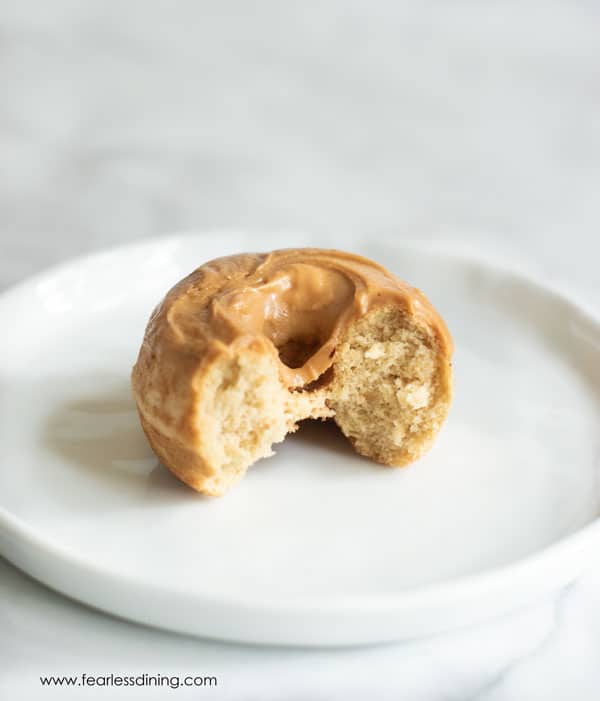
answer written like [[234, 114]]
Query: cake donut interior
[[248, 345]]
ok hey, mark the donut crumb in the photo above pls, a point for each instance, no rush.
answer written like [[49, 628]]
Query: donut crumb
[[389, 396], [385, 390]]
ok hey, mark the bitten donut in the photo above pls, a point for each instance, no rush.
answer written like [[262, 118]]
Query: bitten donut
[[247, 346]]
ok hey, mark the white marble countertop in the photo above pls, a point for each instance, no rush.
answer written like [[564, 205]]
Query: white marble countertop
[[461, 121]]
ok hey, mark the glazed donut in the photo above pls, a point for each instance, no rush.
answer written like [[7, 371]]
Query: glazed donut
[[246, 346]]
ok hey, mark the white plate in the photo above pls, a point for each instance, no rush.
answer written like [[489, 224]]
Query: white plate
[[316, 545]]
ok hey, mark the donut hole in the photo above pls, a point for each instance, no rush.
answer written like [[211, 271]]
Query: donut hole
[[298, 335], [301, 306], [322, 382], [296, 352]]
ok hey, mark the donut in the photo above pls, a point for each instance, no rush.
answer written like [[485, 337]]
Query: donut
[[247, 346]]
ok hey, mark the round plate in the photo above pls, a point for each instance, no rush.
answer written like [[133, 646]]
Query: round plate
[[316, 545]]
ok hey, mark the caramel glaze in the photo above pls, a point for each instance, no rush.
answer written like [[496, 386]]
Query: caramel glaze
[[295, 303]]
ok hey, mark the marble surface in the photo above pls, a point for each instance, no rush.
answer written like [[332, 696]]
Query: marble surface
[[469, 122]]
